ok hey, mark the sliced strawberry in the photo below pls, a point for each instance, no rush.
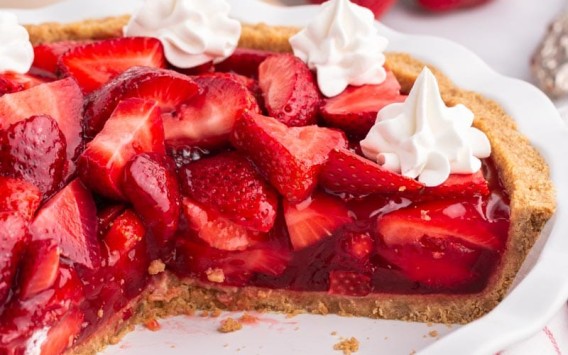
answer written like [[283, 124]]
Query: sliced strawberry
[[230, 184], [244, 61], [69, 218], [14, 82], [21, 319], [359, 245], [314, 219], [41, 268], [19, 196], [125, 232], [150, 184], [355, 109], [46, 56], [135, 127], [447, 267], [349, 283], [218, 231], [460, 221], [465, 185], [197, 258], [64, 333], [289, 89], [208, 119], [170, 89], [94, 64], [62, 100], [14, 236], [106, 215], [347, 172], [34, 149], [290, 158]]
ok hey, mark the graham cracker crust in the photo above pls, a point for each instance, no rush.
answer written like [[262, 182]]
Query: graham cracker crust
[[524, 174]]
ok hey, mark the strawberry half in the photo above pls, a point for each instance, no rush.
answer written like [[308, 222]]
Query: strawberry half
[[46, 56], [243, 61], [150, 184], [17, 195], [208, 119], [230, 184], [94, 64], [459, 221], [62, 100], [289, 90], [13, 239], [34, 149], [134, 127], [355, 110], [349, 283], [70, 219], [314, 219], [197, 258], [64, 333], [218, 231], [464, 185], [290, 158], [40, 269], [347, 172], [171, 90], [14, 82]]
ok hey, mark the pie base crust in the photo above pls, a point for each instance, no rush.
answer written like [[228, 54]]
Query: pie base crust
[[524, 174]]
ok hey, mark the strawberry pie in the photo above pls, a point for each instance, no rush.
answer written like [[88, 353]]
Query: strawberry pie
[[176, 159]]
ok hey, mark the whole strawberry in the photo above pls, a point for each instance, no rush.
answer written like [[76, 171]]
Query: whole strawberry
[[447, 5], [379, 7]]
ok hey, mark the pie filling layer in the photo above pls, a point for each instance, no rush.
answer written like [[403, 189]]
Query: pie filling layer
[[233, 175]]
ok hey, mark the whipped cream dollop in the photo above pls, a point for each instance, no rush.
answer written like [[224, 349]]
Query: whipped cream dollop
[[344, 47], [193, 32], [423, 138], [16, 50]]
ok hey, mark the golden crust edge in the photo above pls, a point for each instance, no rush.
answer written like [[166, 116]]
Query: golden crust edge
[[524, 173]]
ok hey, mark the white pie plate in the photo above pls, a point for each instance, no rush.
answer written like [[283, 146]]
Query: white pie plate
[[540, 289]]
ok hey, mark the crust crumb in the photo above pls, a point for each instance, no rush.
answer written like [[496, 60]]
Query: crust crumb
[[215, 275], [293, 313], [348, 346], [334, 333], [215, 313], [248, 319], [156, 267], [100, 313], [433, 333], [229, 325], [152, 324]]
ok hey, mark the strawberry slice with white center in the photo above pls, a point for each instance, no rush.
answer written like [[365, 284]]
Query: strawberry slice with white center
[[347, 172], [207, 119], [13, 239], [34, 149], [64, 333], [230, 184], [41, 268], [314, 219], [355, 109], [46, 56], [289, 90], [62, 100], [460, 221], [70, 218], [14, 82], [217, 231], [135, 127], [289, 157], [349, 283], [94, 64], [170, 89], [18, 195]]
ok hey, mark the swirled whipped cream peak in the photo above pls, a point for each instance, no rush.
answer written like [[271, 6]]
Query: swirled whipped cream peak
[[344, 47], [193, 32], [423, 138], [16, 50]]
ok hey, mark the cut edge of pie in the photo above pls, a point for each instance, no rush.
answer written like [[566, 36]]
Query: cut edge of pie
[[523, 171]]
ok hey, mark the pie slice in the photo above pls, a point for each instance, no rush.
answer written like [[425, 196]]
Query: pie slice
[[249, 207]]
